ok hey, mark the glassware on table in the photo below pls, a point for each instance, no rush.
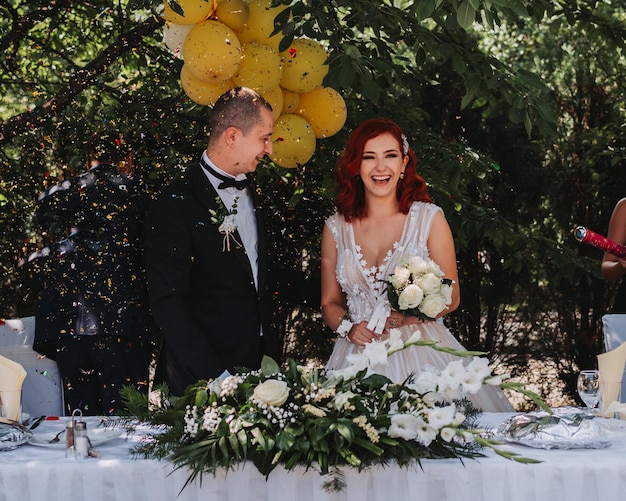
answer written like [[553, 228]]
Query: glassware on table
[[588, 386]]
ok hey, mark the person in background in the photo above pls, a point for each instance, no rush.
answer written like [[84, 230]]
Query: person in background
[[384, 214], [207, 252], [614, 268], [93, 305]]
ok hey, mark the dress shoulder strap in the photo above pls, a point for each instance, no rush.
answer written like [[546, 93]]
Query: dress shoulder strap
[[421, 215]]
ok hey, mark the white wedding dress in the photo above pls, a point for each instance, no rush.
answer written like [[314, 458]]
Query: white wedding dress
[[366, 287]]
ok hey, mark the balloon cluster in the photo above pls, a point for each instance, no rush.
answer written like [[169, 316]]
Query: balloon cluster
[[229, 43]]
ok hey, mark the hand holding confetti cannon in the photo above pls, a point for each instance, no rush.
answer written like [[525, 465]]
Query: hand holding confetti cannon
[[587, 236]]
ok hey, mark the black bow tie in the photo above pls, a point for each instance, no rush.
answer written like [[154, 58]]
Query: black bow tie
[[227, 182]]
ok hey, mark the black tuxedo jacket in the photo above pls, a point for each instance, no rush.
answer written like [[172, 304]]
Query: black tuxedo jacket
[[203, 296]]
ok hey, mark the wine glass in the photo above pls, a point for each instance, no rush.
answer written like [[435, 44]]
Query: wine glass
[[588, 386]]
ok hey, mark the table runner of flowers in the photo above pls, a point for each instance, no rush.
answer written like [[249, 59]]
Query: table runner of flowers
[[293, 416]]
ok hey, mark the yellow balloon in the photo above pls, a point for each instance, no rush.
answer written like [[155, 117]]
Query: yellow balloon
[[303, 66], [260, 67], [325, 109], [233, 13], [275, 98], [260, 25], [212, 52], [293, 141], [174, 36], [194, 11], [202, 92], [291, 101]]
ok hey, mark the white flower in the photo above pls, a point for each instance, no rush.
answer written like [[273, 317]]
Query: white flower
[[429, 283], [459, 419], [432, 305], [404, 426], [376, 353], [425, 382], [229, 225], [439, 417], [451, 379], [497, 380], [272, 392], [341, 399], [446, 293], [400, 277], [425, 433], [447, 434], [417, 265], [480, 366], [416, 336], [410, 297], [472, 382], [395, 340]]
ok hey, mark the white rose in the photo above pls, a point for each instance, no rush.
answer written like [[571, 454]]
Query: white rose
[[417, 265], [229, 225], [400, 277], [432, 305], [434, 269], [446, 293], [272, 392], [410, 297], [429, 283]]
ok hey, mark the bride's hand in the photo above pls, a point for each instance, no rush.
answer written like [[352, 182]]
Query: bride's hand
[[397, 320], [361, 335]]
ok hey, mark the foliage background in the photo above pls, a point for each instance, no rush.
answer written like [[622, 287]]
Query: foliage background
[[515, 108]]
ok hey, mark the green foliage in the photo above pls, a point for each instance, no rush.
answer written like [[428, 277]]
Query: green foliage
[[516, 118]]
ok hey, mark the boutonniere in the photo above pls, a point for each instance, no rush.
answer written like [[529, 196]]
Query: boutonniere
[[225, 221]]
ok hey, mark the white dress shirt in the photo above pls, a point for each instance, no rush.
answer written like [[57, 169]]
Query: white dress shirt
[[245, 217]]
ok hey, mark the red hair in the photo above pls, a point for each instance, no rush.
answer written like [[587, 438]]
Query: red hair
[[350, 201]]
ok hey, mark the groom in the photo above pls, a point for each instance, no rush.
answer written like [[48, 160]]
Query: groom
[[206, 252]]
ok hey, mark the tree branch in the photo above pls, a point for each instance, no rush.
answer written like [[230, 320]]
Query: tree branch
[[83, 78]]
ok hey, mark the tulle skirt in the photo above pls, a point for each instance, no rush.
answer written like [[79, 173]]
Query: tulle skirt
[[415, 359]]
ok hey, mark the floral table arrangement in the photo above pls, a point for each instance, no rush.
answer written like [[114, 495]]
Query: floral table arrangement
[[326, 420]]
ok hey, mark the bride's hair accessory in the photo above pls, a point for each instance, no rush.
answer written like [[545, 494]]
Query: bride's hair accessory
[[405, 145]]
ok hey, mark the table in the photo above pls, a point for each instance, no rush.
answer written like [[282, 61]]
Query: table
[[41, 474]]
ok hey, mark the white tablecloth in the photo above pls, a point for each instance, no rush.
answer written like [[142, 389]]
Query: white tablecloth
[[41, 474]]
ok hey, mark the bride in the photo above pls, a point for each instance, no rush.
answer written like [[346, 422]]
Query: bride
[[383, 214]]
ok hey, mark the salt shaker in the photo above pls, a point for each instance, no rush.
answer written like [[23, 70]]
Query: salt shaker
[[81, 440]]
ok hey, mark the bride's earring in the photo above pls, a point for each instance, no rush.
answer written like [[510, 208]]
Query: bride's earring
[[402, 175]]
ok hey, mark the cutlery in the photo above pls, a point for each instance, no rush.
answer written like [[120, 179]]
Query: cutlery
[[56, 437], [37, 422]]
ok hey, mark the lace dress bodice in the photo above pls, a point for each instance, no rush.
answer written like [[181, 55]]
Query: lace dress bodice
[[365, 286]]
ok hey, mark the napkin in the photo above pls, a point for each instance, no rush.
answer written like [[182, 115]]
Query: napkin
[[611, 366], [12, 376]]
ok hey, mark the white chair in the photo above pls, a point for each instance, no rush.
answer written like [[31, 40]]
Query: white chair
[[42, 390], [17, 332], [614, 328]]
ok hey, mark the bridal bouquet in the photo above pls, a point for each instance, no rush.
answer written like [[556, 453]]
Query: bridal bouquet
[[417, 287], [297, 416]]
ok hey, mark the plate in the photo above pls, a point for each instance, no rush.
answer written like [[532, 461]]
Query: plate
[[563, 428], [97, 437], [12, 436]]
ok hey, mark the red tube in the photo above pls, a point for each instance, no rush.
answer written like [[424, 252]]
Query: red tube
[[587, 236]]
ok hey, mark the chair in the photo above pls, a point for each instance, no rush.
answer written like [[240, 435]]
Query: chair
[[42, 390], [17, 332], [614, 328]]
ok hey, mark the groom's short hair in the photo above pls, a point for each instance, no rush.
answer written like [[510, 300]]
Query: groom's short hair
[[239, 107]]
